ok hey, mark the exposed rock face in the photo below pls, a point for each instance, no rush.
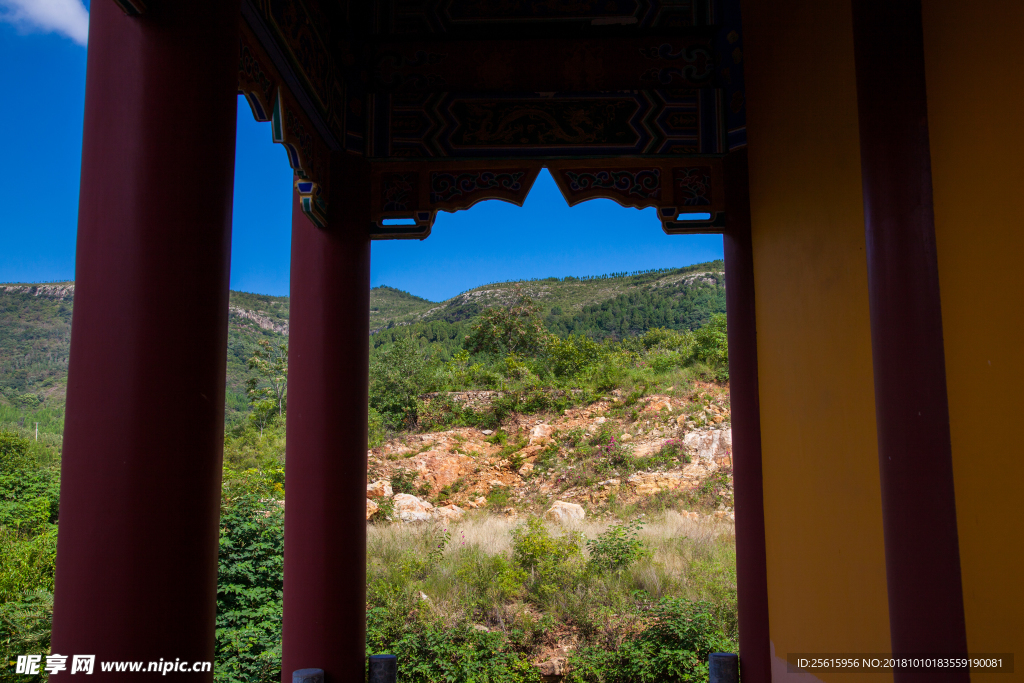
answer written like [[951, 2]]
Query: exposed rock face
[[657, 404], [412, 509], [379, 489], [440, 469], [371, 508], [648, 483], [553, 667], [54, 291], [477, 400], [473, 468], [564, 513], [541, 434], [449, 513], [714, 446], [263, 321]]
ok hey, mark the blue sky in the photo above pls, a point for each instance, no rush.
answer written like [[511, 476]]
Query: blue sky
[[42, 68]]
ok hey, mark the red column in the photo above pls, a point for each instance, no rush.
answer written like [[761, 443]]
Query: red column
[[140, 479], [325, 476], [751, 564], [922, 554]]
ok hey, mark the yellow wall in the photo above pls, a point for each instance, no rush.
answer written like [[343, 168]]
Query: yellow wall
[[826, 562], [974, 63]]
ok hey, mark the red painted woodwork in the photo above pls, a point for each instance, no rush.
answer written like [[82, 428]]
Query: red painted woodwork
[[751, 562], [140, 480], [325, 477], [922, 555]]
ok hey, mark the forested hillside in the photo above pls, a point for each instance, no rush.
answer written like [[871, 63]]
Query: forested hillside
[[494, 418], [35, 326]]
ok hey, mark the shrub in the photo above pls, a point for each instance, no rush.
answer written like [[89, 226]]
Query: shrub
[[554, 563], [29, 495], [493, 579], [614, 454], [429, 652], [498, 497], [618, 547], [672, 451], [26, 563], [403, 481], [674, 649], [398, 375], [249, 591], [510, 448], [25, 630], [378, 432], [509, 329], [385, 511], [663, 361], [13, 452], [440, 412], [568, 357], [711, 343], [669, 340], [499, 438]]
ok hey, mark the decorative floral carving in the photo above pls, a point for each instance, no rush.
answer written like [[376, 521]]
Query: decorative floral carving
[[399, 191], [642, 183], [691, 186], [446, 186]]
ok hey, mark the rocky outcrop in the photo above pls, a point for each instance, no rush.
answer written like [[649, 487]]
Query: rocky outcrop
[[564, 513], [59, 291], [379, 489], [658, 404], [440, 469], [650, 483], [448, 513], [553, 668], [711, 446], [541, 434], [371, 508], [409, 508], [262, 321], [461, 470]]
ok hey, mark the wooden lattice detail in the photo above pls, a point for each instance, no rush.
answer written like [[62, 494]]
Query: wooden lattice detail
[[406, 196]]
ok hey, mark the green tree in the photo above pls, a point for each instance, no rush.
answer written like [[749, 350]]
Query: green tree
[[29, 495], [567, 357], [268, 388], [399, 374], [711, 342], [250, 581], [13, 452], [514, 328], [28, 550], [674, 649]]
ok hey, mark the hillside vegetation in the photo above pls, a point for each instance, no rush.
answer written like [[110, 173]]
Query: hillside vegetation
[[493, 415], [35, 326]]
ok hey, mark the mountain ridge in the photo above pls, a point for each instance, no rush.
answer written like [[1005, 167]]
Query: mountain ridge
[[35, 322]]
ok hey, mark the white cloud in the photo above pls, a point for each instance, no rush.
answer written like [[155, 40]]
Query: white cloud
[[67, 17]]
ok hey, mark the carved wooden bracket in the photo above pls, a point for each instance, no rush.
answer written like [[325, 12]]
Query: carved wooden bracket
[[271, 100], [406, 196]]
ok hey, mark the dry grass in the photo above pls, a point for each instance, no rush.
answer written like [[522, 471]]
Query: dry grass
[[491, 534], [691, 559]]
